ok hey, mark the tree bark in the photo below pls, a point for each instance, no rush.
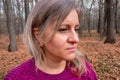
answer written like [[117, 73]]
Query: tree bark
[[116, 20], [10, 25], [88, 18], [101, 20], [36, 1], [110, 22], [19, 18], [26, 8]]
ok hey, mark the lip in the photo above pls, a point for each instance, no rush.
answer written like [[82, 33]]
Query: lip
[[73, 49]]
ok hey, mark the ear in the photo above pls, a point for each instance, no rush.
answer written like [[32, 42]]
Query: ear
[[35, 32], [36, 35]]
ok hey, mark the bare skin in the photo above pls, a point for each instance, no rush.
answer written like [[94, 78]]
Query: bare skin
[[62, 47]]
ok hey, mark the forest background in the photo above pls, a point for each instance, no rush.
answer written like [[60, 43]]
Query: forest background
[[99, 35]]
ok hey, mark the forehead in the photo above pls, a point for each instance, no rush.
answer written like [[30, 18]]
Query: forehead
[[72, 18]]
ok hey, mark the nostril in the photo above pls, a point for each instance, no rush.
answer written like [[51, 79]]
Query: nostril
[[73, 36], [73, 39]]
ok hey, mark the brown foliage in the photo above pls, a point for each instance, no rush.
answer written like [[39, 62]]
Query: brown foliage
[[105, 58]]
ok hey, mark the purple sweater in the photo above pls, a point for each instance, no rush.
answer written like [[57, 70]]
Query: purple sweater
[[28, 71]]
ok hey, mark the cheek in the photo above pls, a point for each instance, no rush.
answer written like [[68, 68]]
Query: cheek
[[58, 42]]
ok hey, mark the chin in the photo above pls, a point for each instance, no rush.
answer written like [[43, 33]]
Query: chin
[[70, 57]]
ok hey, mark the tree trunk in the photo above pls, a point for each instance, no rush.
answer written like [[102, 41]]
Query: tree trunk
[[26, 8], [10, 25], [115, 9], [110, 22], [88, 21], [19, 17], [101, 20], [36, 1], [88, 18], [22, 20]]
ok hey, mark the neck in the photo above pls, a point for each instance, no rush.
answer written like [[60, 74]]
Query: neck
[[52, 67]]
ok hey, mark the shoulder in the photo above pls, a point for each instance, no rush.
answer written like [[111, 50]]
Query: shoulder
[[17, 72], [90, 74]]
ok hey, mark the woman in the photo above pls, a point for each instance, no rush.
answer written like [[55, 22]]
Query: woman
[[51, 36]]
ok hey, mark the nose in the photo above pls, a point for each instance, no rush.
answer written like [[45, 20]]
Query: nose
[[73, 38]]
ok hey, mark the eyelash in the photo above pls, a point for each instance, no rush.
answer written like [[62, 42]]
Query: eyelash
[[65, 29], [77, 29], [62, 29]]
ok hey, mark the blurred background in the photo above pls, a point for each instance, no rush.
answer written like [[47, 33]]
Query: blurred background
[[99, 35]]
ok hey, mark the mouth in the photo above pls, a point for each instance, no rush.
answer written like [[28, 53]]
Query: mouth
[[72, 49]]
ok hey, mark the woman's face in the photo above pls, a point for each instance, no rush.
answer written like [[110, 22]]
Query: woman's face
[[63, 45]]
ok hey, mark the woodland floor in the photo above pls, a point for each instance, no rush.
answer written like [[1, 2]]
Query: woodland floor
[[105, 58]]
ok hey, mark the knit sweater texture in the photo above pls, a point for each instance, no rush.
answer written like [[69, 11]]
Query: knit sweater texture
[[28, 71]]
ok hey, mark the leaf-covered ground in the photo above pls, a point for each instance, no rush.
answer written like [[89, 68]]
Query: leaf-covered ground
[[105, 58]]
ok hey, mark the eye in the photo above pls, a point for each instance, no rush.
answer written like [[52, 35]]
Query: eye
[[62, 29], [77, 29]]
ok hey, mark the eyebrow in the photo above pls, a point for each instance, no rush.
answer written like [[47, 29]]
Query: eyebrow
[[77, 25]]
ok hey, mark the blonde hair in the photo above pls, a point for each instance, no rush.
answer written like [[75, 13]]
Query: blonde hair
[[43, 14]]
